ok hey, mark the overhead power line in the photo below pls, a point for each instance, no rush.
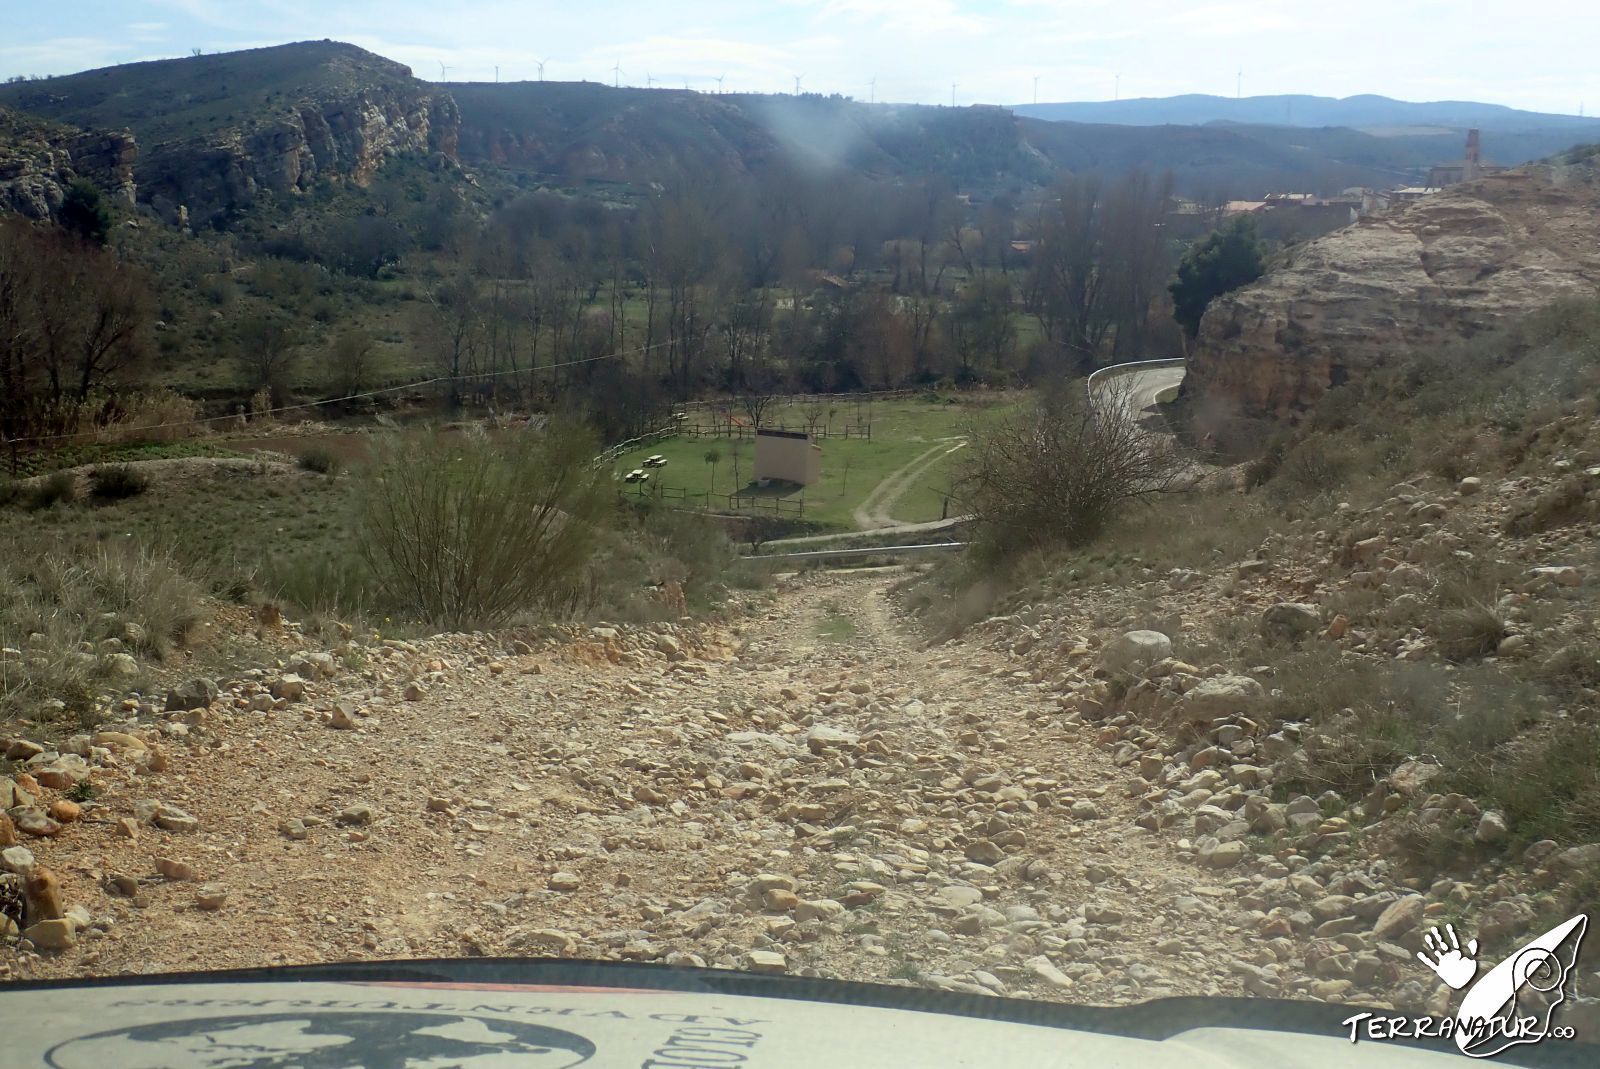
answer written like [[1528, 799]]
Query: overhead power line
[[348, 397]]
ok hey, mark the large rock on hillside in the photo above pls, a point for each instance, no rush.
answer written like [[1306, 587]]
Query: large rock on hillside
[[1451, 265]]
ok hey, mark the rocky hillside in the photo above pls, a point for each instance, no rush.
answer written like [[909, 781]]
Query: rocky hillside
[[38, 159], [1444, 269], [220, 131], [1267, 770], [998, 815], [579, 130]]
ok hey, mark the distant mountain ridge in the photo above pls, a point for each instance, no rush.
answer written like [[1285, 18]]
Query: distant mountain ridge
[[1358, 112], [216, 133]]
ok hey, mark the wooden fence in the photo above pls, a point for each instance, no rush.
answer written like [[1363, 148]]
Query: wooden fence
[[781, 506], [610, 455], [742, 431]]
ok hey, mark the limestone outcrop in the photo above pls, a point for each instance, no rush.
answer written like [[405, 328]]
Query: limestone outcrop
[[347, 137], [1450, 266], [39, 159]]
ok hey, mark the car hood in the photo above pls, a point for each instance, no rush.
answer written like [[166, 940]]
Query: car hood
[[521, 1012]]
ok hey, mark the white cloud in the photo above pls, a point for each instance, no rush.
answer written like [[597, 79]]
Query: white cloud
[[58, 54], [915, 18], [1537, 56]]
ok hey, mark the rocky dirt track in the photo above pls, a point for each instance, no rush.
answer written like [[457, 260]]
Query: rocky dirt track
[[747, 796]]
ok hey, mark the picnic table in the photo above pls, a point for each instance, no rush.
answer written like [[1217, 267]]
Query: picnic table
[[655, 460]]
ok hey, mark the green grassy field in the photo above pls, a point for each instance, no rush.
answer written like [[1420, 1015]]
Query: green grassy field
[[903, 430]]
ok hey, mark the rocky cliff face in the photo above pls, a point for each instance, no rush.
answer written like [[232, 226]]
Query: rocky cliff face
[[219, 131], [348, 137], [1446, 268], [38, 160]]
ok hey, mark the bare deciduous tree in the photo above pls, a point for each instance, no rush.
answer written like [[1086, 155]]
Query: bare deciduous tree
[[264, 346], [351, 364], [72, 321], [1101, 260]]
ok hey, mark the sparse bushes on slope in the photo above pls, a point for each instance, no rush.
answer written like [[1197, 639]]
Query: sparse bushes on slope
[[1496, 398], [471, 529], [1372, 716], [656, 550], [1546, 782], [136, 586], [1564, 503]]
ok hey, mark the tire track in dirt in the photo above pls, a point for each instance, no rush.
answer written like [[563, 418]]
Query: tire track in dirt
[[875, 512]]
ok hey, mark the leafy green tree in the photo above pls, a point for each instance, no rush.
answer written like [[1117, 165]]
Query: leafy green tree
[[84, 212], [1228, 259]]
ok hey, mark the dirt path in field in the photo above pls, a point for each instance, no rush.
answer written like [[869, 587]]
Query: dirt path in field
[[877, 510]]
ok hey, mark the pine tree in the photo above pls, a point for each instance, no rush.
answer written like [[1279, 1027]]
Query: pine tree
[[1228, 259], [84, 212]]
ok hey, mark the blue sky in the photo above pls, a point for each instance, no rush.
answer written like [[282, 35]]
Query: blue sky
[[1534, 55]]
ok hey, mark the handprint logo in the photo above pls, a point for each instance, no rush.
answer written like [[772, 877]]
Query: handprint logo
[[1454, 967]]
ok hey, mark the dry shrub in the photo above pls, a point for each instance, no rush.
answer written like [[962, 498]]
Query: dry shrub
[[1454, 460], [469, 530], [1470, 630], [1566, 503], [160, 416], [659, 565], [1575, 664], [1546, 782], [112, 586], [320, 459], [57, 606], [1056, 472], [1467, 620], [116, 482], [59, 487], [1372, 715]]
